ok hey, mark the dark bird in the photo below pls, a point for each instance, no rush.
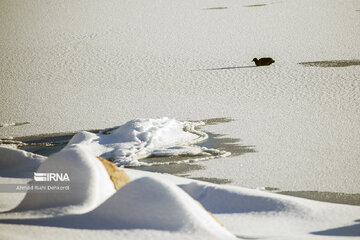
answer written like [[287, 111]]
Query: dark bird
[[263, 61]]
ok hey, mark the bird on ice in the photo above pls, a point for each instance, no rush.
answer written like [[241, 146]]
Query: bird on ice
[[263, 61]]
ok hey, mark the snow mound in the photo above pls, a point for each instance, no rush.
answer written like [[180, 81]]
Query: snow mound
[[18, 163], [229, 199], [152, 203], [89, 183], [141, 138]]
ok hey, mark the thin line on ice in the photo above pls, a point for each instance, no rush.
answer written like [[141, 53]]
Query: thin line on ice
[[13, 124]]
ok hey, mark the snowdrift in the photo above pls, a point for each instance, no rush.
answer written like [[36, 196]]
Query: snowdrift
[[18, 163], [153, 203], [89, 182]]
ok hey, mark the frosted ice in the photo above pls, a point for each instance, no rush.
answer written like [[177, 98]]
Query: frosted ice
[[73, 65], [67, 67]]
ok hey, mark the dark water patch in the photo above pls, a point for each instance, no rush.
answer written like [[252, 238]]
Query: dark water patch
[[270, 189], [332, 197], [218, 141], [214, 141], [256, 5], [221, 142], [215, 8], [174, 169], [214, 121], [213, 180], [45, 144], [335, 63]]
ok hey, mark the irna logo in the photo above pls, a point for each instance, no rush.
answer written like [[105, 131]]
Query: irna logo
[[51, 177]]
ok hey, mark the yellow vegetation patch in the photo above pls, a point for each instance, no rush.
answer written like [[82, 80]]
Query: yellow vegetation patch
[[212, 215], [117, 176]]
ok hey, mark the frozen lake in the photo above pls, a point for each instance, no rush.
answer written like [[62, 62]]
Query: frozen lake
[[65, 69]]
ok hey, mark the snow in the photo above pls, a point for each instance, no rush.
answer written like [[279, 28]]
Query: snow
[[68, 66], [18, 163], [89, 183], [141, 138], [92, 65], [156, 204], [162, 206]]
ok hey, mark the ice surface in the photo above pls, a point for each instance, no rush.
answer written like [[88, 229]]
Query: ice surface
[[69, 66], [66, 66]]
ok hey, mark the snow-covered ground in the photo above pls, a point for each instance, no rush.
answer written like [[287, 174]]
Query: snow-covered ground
[[67, 66], [156, 206], [151, 205], [70, 66]]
